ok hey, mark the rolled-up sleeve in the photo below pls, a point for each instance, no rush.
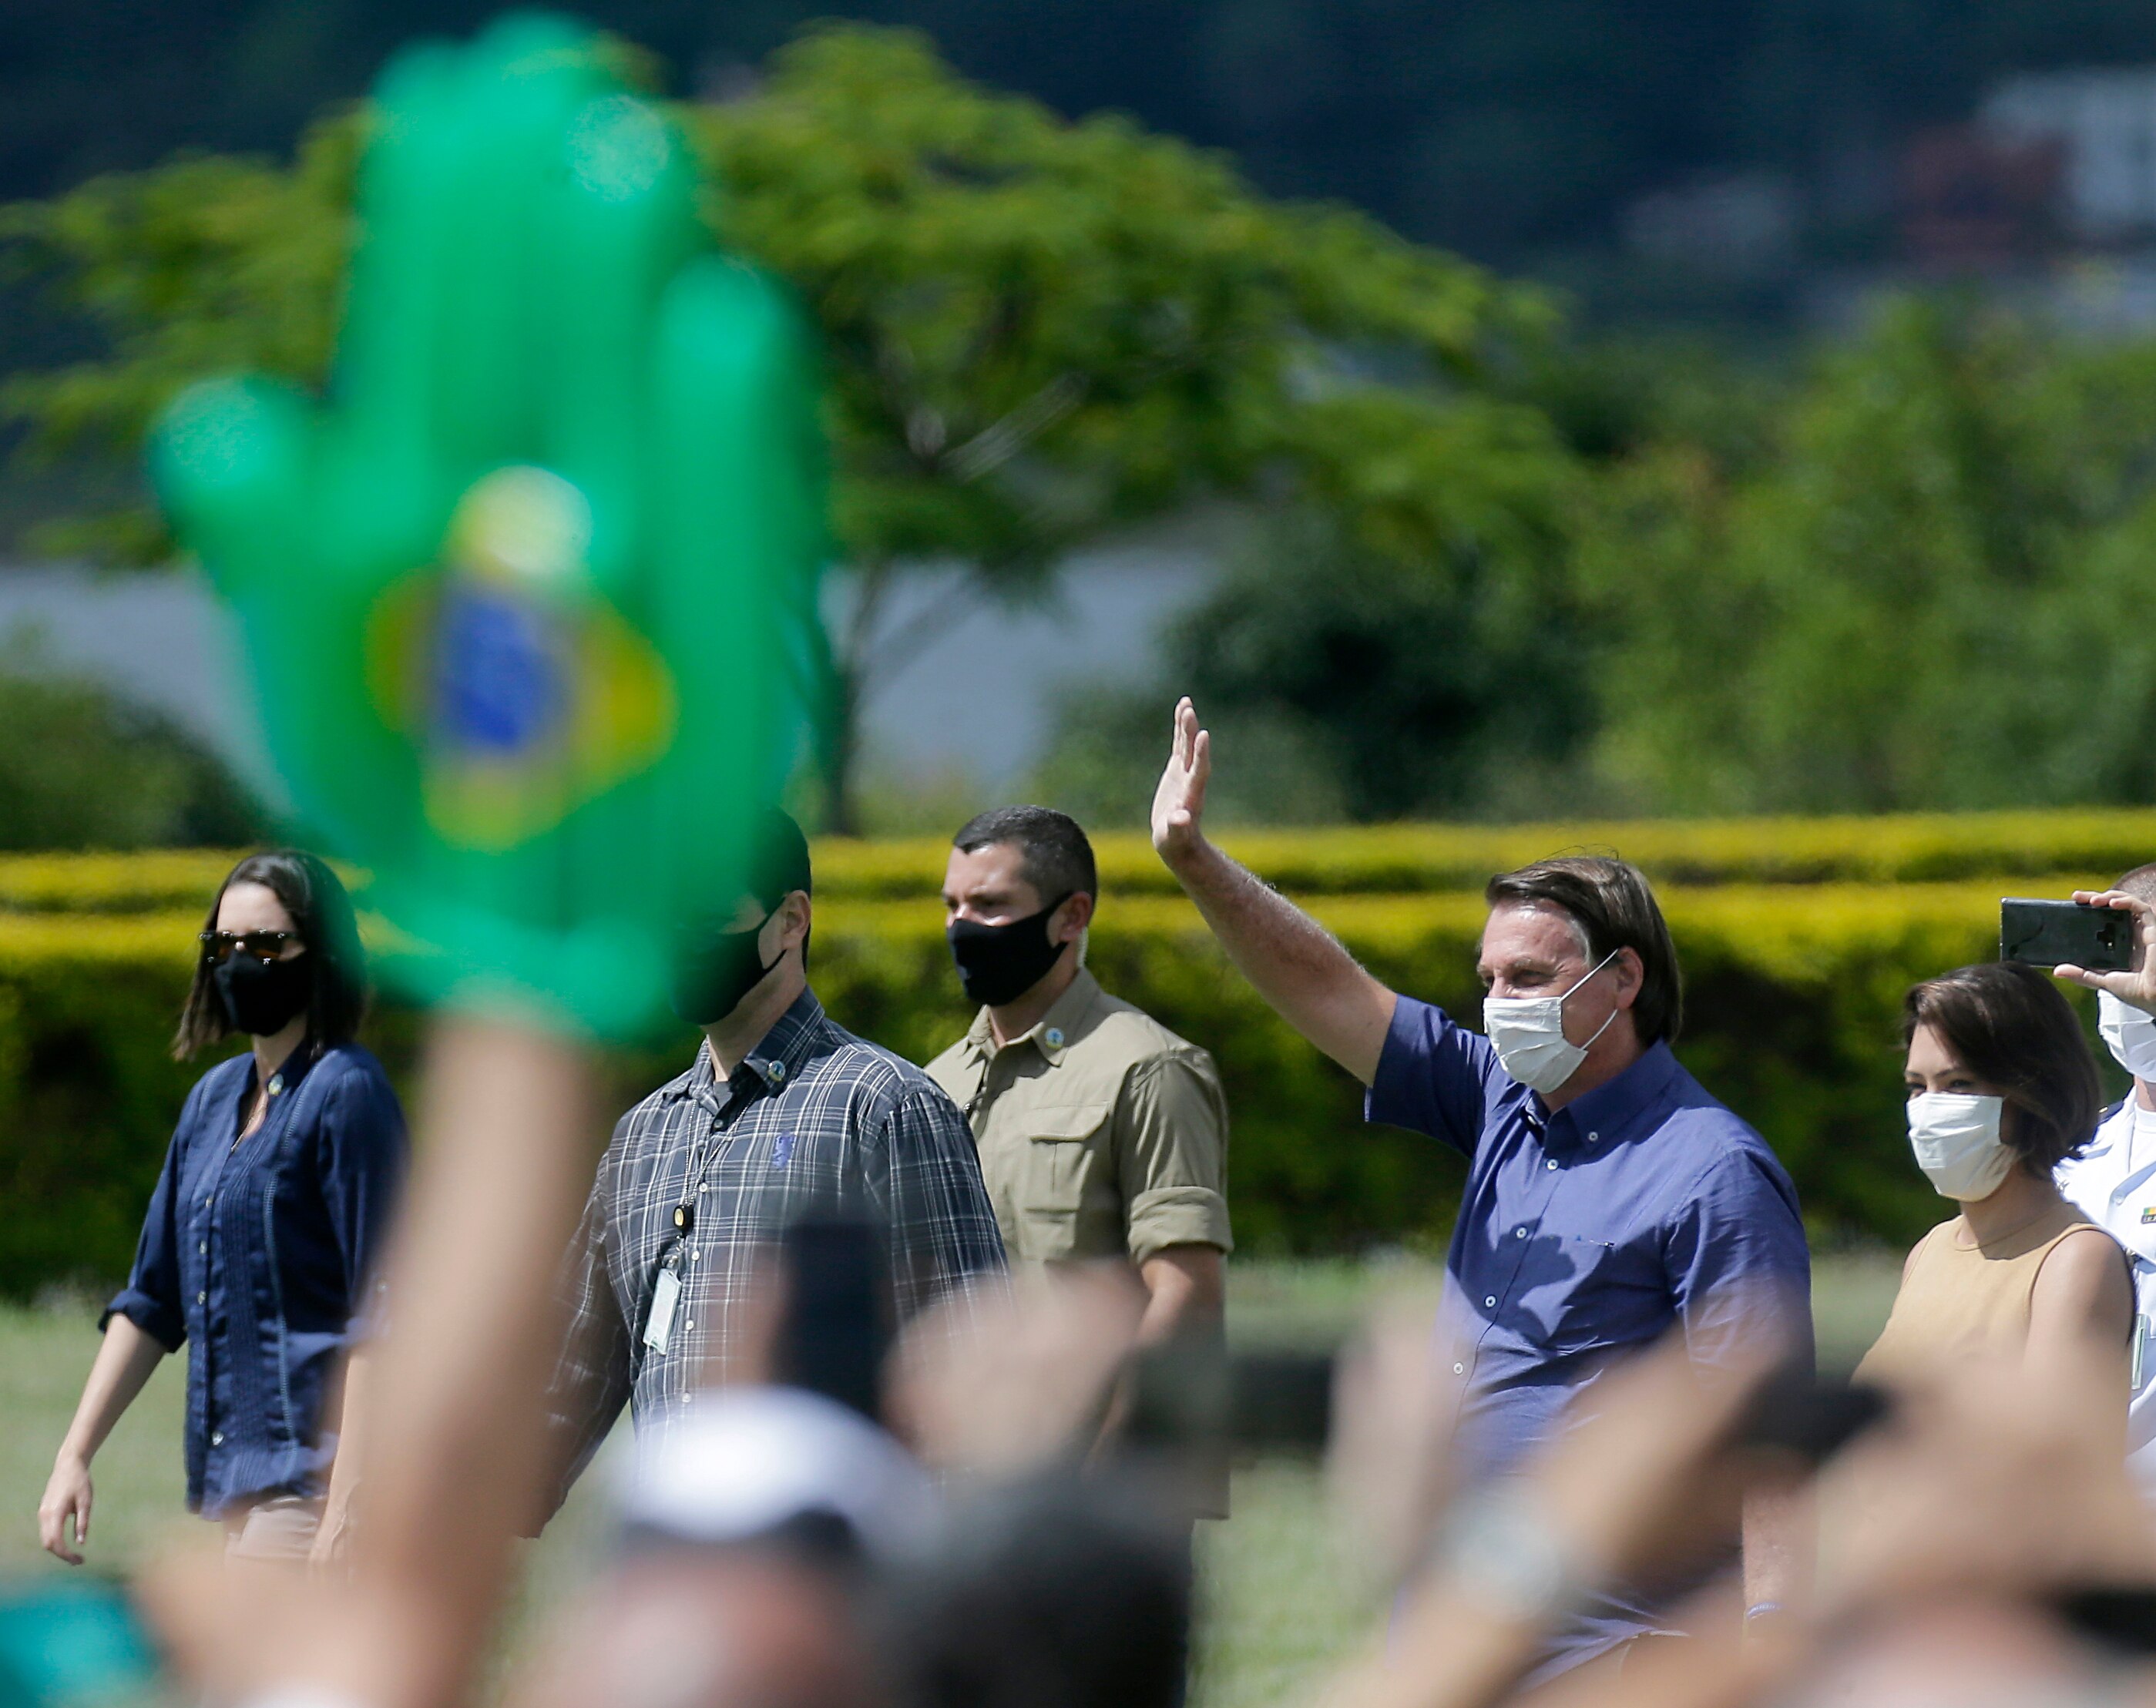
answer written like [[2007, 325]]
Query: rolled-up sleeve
[[1171, 1154], [150, 1300], [1739, 1266], [942, 1229]]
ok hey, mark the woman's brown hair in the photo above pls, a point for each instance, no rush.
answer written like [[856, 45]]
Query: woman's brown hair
[[321, 913], [2011, 1027]]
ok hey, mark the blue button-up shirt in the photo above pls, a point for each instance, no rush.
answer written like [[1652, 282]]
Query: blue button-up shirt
[[257, 1253], [1642, 1206]]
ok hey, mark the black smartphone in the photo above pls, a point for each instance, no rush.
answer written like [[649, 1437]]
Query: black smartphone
[[1273, 1400], [1810, 1418], [2122, 1618], [834, 1324], [2064, 934]]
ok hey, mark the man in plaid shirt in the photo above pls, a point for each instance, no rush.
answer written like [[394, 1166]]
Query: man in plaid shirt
[[782, 1115]]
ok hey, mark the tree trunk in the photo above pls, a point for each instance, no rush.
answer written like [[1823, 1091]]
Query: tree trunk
[[842, 808], [850, 665]]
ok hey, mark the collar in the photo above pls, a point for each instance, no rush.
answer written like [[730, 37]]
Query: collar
[[2117, 1120], [1052, 1035], [290, 1071], [776, 1061], [1613, 1106]]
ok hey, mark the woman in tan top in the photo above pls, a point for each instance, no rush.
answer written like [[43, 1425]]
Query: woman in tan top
[[2002, 1088]]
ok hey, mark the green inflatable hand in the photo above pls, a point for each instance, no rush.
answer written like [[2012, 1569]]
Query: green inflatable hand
[[529, 602]]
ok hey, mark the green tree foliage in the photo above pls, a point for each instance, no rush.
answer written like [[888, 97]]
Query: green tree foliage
[[79, 769], [203, 266], [1932, 590], [1036, 330], [1345, 682]]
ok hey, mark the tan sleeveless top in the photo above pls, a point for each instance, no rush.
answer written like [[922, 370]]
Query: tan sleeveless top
[[1958, 1300]]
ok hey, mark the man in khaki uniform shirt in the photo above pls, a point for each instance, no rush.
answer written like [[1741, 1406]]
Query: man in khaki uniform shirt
[[1103, 1135]]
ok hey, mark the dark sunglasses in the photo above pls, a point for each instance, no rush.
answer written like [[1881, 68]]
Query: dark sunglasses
[[263, 945]]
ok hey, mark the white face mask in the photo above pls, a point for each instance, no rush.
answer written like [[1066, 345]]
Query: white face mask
[[2130, 1032], [1955, 1136], [1529, 1033]]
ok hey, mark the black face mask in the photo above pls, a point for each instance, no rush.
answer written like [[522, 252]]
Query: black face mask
[[261, 997], [999, 964], [713, 971]]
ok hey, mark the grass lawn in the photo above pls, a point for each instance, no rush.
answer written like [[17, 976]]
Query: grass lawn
[[1278, 1603]]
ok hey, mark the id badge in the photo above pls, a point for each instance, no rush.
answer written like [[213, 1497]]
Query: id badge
[[666, 1297]]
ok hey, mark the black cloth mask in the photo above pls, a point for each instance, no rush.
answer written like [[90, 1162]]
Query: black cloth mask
[[261, 997], [713, 971], [999, 964]]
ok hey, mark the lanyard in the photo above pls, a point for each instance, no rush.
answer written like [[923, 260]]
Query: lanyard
[[706, 1153]]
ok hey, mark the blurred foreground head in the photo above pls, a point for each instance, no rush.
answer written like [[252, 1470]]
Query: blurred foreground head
[[744, 1627], [750, 1535], [1054, 1594]]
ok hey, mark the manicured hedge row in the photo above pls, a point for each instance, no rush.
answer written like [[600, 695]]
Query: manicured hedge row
[[1792, 999], [1394, 859]]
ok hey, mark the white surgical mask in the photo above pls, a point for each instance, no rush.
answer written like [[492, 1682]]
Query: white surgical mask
[[1529, 1035], [2130, 1032], [1955, 1136]]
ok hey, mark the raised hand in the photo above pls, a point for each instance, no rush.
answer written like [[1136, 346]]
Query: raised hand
[[1179, 803], [2138, 987], [522, 598]]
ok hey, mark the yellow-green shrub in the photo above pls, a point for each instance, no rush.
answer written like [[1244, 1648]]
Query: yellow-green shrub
[[1387, 859], [1792, 998], [2096, 844]]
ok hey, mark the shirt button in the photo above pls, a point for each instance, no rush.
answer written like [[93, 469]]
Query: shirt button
[[694, 1254], [201, 1298], [1492, 1300], [203, 1247], [217, 1438], [1592, 1137], [1460, 1369], [687, 1325]]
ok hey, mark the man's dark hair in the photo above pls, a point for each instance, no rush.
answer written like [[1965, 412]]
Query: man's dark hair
[[321, 913], [1053, 855], [779, 860], [2011, 1027], [2140, 883], [1610, 902], [779, 865], [1057, 1594]]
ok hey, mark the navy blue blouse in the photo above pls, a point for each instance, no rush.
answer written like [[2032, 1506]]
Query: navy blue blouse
[[260, 1252]]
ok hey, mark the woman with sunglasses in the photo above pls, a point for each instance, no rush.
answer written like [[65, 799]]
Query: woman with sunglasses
[[2002, 1088], [264, 1228]]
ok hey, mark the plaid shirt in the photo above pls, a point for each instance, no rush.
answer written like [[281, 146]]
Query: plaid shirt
[[814, 1121]]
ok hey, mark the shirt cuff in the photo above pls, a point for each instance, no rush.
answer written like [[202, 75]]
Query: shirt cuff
[[1177, 1215], [162, 1324]]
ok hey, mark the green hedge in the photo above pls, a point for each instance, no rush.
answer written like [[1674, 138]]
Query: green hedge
[[1792, 998], [1390, 860]]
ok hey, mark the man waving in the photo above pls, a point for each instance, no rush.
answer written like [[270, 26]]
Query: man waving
[[1609, 1199]]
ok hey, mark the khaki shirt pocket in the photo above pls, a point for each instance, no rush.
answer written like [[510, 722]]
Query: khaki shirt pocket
[[1064, 1168]]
